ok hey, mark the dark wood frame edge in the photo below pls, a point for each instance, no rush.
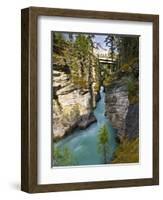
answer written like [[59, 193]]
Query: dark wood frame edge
[[29, 99]]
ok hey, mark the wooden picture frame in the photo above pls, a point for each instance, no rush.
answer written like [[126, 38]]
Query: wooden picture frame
[[29, 112]]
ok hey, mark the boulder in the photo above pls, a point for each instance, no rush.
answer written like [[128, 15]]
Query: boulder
[[86, 120]]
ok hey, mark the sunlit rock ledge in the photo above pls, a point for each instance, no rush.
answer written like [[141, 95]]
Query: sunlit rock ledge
[[71, 106]]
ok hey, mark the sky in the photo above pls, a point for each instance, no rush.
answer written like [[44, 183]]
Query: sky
[[98, 38]]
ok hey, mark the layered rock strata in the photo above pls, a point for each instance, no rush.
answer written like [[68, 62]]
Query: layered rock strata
[[71, 106], [123, 115]]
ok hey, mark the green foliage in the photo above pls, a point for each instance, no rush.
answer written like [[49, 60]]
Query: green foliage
[[103, 135], [108, 79], [127, 152], [97, 87], [77, 54], [126, 68], [103, 140], [63, 156], [128, 61], [111, 43], [126, 52], [59, 46], [128, 49], [79, 82], [59, 43], [82, 45], [133, 89]]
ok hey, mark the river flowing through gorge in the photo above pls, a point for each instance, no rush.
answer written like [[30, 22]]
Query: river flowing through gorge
[[84, 143]]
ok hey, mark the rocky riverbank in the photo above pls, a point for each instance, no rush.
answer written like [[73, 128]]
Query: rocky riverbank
[[71, 106], [123, 115]]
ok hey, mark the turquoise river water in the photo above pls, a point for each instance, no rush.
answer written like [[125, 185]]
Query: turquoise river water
[[84, 143]]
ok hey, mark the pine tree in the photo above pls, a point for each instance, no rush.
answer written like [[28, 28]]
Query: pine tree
[[103, 142]]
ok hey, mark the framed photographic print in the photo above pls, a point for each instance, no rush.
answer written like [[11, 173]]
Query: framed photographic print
[[90, 99]]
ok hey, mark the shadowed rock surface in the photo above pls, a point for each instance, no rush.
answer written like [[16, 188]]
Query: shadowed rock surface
[[123, 115], [117, 106], [86, 120], [132, 121]]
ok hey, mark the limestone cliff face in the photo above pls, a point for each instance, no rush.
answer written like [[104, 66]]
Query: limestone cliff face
[[132, 121], [117, 106], [71, 106], [123, 116]]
